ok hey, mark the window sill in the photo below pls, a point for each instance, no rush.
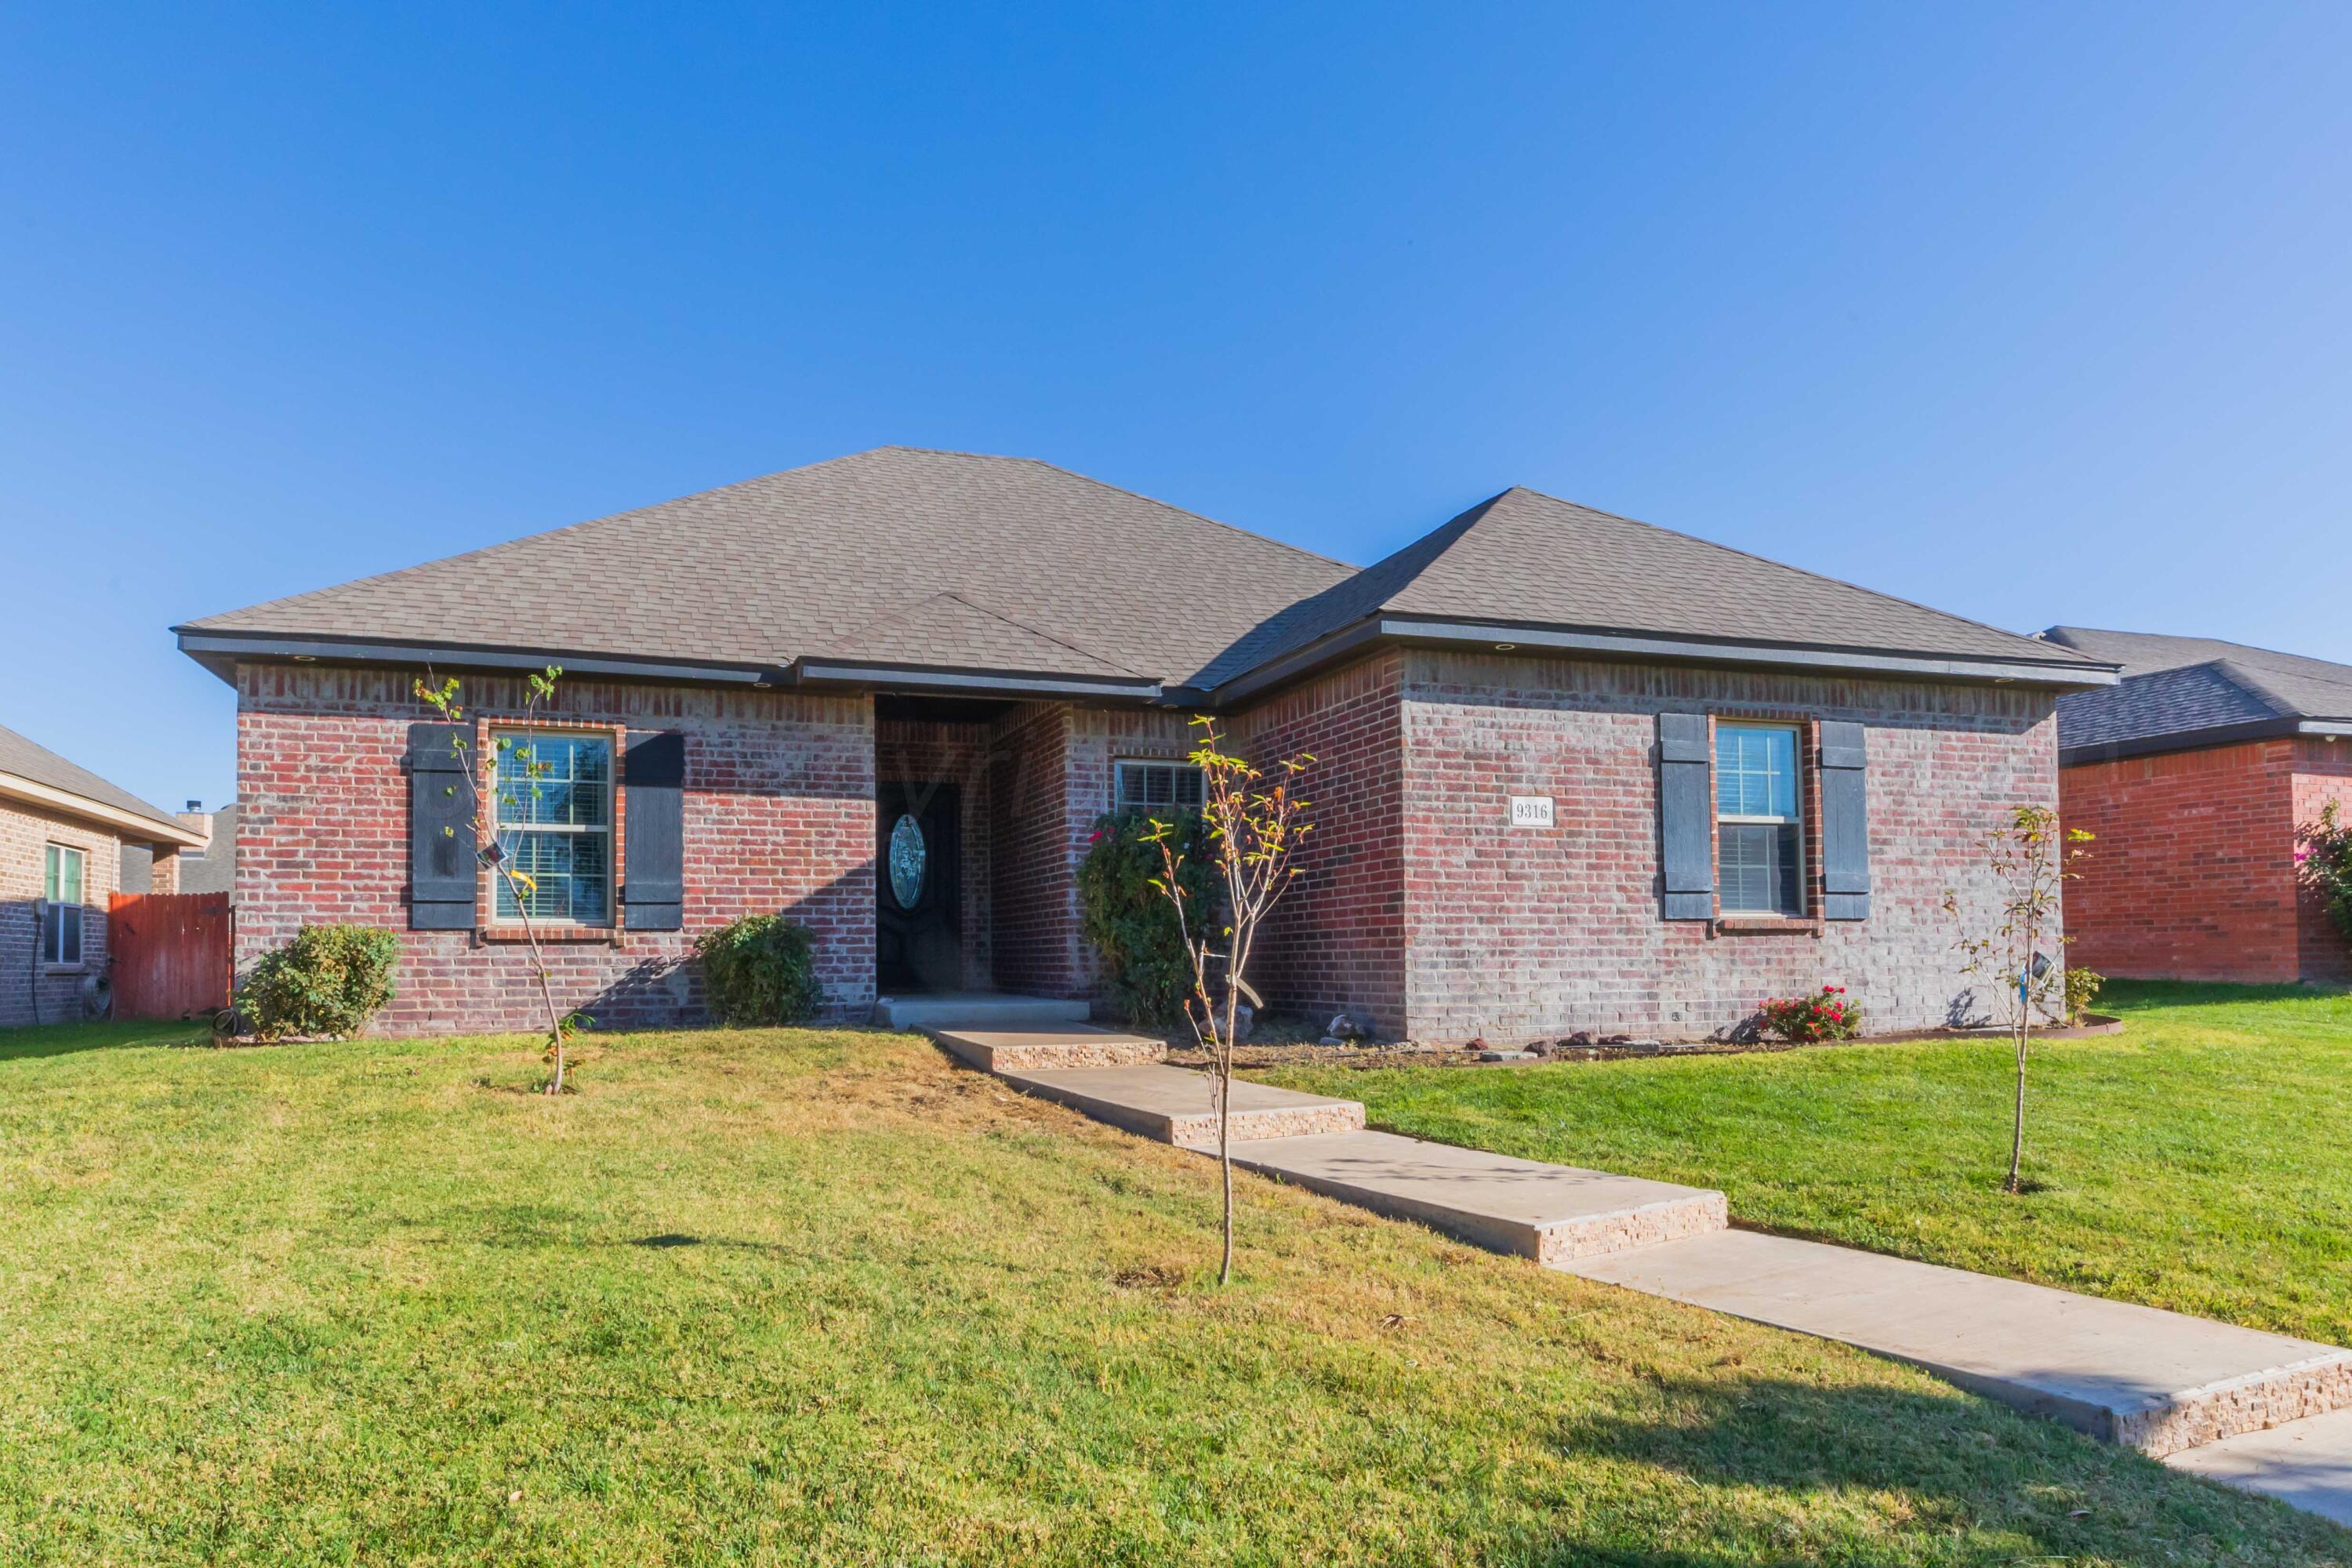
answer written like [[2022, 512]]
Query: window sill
[[552, 936], [1743, 925], [47, 968]]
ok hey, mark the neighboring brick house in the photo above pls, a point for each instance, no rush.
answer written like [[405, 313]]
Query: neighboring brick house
[[62, 833], [1570, 771], [207, 866], [2196, 773]]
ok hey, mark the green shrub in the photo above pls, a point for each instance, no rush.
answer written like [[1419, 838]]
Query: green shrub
[[2081, 989], [760, 971], [329, 980], [1132, 924], [2325, 860]]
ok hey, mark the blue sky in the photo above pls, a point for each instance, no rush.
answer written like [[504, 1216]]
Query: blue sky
[[2034, 314]]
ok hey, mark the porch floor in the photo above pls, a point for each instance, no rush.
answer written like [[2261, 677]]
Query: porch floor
[[974, 1009]]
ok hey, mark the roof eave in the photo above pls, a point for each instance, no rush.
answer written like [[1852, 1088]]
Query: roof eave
[[2067, 675], [221, 652], [2201, 739], [134, 826], [874, 675]]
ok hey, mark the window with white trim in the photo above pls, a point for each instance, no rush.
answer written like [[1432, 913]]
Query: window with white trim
[[1760, 831], [552, 810], [63, 877], [1146, 787]]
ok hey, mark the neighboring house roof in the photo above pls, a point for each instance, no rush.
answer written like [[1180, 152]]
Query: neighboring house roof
[[1012, 574], [2179, 692], [31, 771]]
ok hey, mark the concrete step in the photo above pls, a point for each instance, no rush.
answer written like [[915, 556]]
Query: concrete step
[[1549, 1212], [975, 1009], [2154, 1381], [2307, 1463], [1049, 1046], [1173, 1104]]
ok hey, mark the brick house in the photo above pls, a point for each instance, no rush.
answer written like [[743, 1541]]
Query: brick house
[[62, 833], [2196, 771], [1571, 770]]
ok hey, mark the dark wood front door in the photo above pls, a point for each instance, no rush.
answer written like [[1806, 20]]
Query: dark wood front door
[[919, 854]]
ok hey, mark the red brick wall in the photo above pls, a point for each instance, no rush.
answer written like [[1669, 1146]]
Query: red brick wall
[[2191, 875], [1517, 933], [31, 990], [1051, 779], [1037, 938], [779, 818], [1336, 939], [2323, 772]]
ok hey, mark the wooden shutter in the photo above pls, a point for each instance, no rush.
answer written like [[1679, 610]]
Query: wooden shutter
[[653, 885], [1845, 823], [1686, 818], [442, 870]]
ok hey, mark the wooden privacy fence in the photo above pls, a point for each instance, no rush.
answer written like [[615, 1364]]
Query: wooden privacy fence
[[171, 953]]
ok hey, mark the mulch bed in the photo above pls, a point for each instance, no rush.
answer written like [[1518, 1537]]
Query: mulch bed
[[1182, 1052]]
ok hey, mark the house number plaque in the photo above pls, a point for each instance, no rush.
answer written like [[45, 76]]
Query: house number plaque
[[1531, 811]]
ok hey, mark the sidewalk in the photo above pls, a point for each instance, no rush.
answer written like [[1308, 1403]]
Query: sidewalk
[[2259, 1411]]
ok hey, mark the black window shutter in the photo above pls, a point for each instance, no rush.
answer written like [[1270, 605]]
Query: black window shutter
[[653, 881], [1686, 818], [1845, 823], [441, 863]]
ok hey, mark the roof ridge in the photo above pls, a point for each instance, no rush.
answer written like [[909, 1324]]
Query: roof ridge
[[1786, 566]]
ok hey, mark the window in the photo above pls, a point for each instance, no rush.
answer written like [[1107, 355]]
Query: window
[[1142, 786], [62, 885], [1759, 825], [554, 805]]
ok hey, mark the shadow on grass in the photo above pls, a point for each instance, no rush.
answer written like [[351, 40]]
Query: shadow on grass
[[31, 1041], [2145, 995], [1993, 1486]]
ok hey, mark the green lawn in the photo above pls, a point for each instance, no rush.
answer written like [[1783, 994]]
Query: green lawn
[[798, 1296], [2201, 1161]]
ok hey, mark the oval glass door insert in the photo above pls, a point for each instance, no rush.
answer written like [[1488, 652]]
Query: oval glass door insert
[[908, 855]]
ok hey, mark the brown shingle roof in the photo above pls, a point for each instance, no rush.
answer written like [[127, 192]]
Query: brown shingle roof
[[1007, 564], [1530, 558], [1043, 565]]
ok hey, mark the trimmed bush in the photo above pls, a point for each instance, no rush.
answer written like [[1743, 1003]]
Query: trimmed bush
[[1132, 924], [760, 971], [329, 980]]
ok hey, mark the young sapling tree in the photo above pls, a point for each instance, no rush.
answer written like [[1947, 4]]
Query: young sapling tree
[[2029, 858], [512, 765], [1255, 823]]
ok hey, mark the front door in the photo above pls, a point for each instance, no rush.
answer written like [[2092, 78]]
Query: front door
[[917, 927]]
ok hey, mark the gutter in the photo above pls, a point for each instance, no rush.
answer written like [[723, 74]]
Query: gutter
[[131, 825], [215, 650], [840, 673], [1500, 636]]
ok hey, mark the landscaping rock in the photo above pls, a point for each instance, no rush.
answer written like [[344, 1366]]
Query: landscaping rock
[[1348, 1024]]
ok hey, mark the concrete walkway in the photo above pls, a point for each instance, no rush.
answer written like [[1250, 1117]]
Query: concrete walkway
[[2259, 1411], [2307, 1463], [2154, 1381]]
